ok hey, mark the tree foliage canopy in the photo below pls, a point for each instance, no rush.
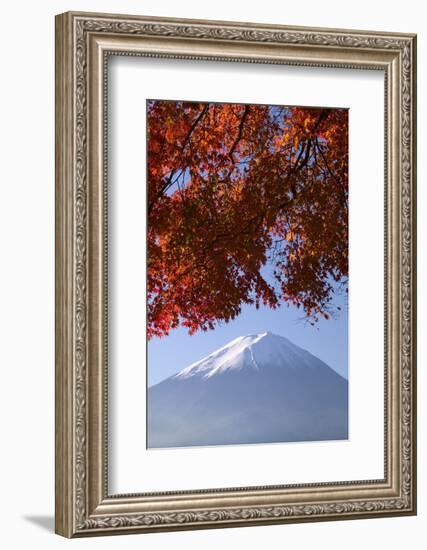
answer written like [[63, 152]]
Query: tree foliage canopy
[[236, 191]]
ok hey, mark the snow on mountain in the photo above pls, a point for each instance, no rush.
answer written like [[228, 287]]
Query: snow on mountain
[[256, 389], [253, 351]]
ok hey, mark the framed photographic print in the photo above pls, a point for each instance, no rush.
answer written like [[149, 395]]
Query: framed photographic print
[[235, 274]]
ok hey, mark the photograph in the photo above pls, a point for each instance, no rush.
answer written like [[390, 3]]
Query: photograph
[[247, 273]]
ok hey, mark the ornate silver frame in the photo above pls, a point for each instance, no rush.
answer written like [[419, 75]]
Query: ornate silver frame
[[83, 505]]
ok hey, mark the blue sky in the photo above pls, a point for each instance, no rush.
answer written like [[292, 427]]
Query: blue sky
[[328, 340]]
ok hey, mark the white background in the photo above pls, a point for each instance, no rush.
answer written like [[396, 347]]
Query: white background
[[133, 468], [27, 275]]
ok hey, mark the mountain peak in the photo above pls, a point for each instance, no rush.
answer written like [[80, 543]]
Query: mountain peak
[[253, 351], [259, 388]]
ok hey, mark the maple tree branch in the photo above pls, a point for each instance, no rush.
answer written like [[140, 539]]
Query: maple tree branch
[[240, 131], [326, 162], [257, 220], [193, 126], [307, 155], [186, 140], [322, 116], [163, 189], [338, 180]]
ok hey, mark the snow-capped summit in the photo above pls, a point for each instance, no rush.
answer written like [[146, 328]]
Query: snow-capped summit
[[253, 351], [259, 388]]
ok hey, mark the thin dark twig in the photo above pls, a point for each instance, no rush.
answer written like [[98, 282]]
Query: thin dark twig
[[240, 131], [168, 182]]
